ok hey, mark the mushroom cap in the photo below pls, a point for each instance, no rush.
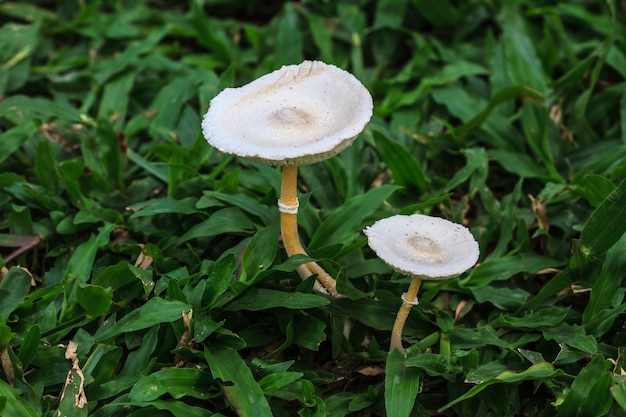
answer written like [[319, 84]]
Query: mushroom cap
[[429, 247], [297, 115]]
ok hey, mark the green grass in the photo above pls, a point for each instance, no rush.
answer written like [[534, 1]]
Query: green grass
[[125, 233]]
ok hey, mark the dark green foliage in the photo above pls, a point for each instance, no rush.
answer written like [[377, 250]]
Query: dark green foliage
[[143, 271]]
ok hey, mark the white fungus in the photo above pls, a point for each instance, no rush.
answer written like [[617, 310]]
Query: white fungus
[[429, 247], [297, 115]]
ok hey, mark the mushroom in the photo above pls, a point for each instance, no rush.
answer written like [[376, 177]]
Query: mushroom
[[424, 247], [297, 115]]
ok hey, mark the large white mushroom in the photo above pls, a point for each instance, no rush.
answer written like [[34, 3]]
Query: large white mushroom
[[424, 247], [297, 115]]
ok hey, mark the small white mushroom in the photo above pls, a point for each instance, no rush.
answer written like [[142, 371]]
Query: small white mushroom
[[297, 115], [424, 247], [430, 247]]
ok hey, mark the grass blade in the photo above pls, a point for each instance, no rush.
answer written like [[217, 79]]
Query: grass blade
[[243, 393], [606, 225], [401, 385]]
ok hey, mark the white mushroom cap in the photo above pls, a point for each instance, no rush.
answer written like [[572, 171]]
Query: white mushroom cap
[[429, 247], [297, 115]]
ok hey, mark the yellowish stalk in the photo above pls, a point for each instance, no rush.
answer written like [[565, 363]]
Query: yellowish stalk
[[409, 299], [289, 231]]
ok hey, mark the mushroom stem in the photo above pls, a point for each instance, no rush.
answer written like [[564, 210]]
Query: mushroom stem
[[409, 299], [289, 230]]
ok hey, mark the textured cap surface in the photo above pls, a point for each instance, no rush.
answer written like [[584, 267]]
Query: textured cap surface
[[429, 247], [297, 115]]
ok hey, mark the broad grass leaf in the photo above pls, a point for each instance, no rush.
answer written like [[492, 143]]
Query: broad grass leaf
[[405, 169], [112, 388], [600, 158], [595, 370], [322, 36], [342, 224], [261, 250], [169, 102], [341, 181], [606, 225], [14, 288], [115, 99], [469, 338], [603, 321], [15, 405], [25, 109], [502, 96], [503, 268], [573, 336], [36, 196], [245, 202], [288, 48], [121, 274], [103, 70], [431, 363], [314, 406], [596, 188], [522, 62], [28, 347], [154, 311], [153, 169], [459, 101], [520, 164], [165, 206], [535, 123], [259, 299], [139, 359], [96, 215], [401, 385], [70, 174], [389, 13], [310, 334], [543, 317], [606, 286], [226, 220], [317, 179], [18, 43], [619, 393], [365, 399], [46, 168], [378, 314], [476, 160], [273, 382], [103, 361], [211, 35], [84, 256], [95, 299], [39, 299], [445, 76], [502, 297], [12, 139], [243, 393], [554, 286], [599, 400], [177, 382], [539, 371], [622, 112], [219, 279], [6, 335], [441, 14], [176, 408]]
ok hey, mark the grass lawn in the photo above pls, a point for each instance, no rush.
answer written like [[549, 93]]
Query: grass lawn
[[143, 272]]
